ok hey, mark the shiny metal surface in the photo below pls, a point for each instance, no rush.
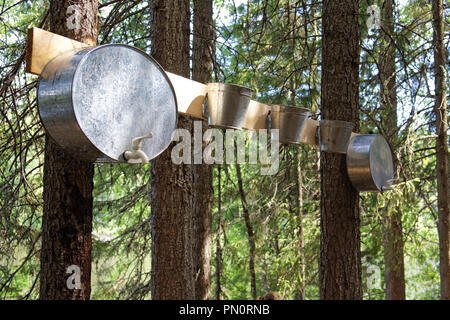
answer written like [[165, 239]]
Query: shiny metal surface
[[227, 105], [95, 101], [369, 163], [334, 135], [290, 121]]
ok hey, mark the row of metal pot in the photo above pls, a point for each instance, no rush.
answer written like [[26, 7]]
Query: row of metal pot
[[369, 158], [227, 106], [95, 102]]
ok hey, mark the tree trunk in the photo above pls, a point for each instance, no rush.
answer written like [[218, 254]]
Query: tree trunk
[[248, 225], [202, 57], [219, 225], [441, 148], [171, 185], [394, 274], [68, 185], [203, 52], [340, 256]]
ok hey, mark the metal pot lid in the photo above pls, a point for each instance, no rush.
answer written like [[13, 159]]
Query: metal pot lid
[[381, 164], [120, 93], [369, 163]]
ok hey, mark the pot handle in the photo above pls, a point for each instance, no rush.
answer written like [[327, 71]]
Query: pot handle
[[269, 123], [246, 92], [205, 110]]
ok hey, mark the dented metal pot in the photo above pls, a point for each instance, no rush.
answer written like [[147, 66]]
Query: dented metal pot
[[227, 105], [289, 120]]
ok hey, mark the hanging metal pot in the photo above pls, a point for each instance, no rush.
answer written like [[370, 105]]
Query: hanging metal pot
[[95, 101], [334, 135], [369, 163], [227, 105], [289, 120]]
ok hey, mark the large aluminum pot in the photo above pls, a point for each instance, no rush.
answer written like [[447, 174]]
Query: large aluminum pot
[[290, 121], [93, 102], [369, 163], [227, 105]]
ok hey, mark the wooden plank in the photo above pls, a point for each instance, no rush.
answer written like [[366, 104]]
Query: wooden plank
[[256, 116], [309, 132], [43, 46], [190, 95]]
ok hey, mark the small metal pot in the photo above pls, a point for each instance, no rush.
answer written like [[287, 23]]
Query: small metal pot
[[290, 121], [94, 101], [369, 163], [227, 105], [334, 135]]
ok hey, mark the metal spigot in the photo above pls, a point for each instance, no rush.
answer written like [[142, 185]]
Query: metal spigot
[[137, 152]]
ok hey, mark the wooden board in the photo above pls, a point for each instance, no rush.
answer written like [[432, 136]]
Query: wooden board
[[256, 116], [309, 132], [43, 46], [190, 95]]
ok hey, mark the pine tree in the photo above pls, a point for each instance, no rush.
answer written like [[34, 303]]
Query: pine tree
[[172, 185], [202, 60], [340, 257], [440, 109], [68, 184]]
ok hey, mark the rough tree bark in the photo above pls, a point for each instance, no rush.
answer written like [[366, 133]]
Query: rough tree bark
[[202, 59], [340, 256], [394, 273], [68, 183], [219, 226], [440, 108], [171, 185]]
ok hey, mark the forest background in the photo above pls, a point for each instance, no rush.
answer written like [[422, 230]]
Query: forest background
[[274, 47]]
